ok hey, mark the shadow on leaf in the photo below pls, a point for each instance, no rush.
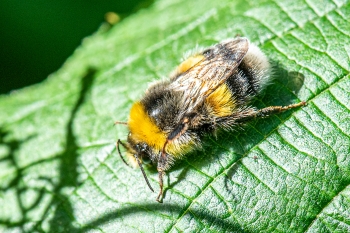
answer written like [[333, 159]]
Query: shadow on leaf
[[219, 223], [16, 184], [281, 92], [60, 222]]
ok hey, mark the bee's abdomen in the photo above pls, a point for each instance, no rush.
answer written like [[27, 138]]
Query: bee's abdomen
[[221, 102], [252, 75]]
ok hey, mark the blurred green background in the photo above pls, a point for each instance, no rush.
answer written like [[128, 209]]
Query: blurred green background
[[37, 36]]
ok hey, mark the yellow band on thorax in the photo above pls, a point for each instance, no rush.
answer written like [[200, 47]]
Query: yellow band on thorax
[[144, 129]]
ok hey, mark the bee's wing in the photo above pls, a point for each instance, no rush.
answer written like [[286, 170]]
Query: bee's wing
[[218, 64]]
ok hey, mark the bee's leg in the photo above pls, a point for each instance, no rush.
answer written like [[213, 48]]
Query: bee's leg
[[250, 114], [265, 112], [160, 195], [162, 164]]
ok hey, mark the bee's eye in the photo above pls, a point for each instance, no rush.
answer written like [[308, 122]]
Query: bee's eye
[[138, 148], [143, 147]]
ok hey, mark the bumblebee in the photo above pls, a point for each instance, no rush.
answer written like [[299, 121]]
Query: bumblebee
[[210, 90]]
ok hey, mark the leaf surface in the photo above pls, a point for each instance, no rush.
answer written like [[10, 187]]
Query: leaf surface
[[59, 170]]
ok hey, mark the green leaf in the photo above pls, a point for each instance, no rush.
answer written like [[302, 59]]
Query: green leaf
[[59, 170]]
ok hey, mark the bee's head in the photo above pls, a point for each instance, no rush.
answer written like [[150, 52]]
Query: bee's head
[[141, 149], [145, 140], [136, 154]]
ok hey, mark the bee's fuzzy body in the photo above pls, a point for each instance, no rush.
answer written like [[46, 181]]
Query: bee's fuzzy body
[[208, 91]]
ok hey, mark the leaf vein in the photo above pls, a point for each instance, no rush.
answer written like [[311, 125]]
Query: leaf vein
[[317, 216], [230, 165], [292, 175], [330, 119]]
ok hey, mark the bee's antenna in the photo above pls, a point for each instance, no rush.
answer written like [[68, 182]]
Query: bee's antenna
[[143, 172], [120, 123], [120, 154]]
